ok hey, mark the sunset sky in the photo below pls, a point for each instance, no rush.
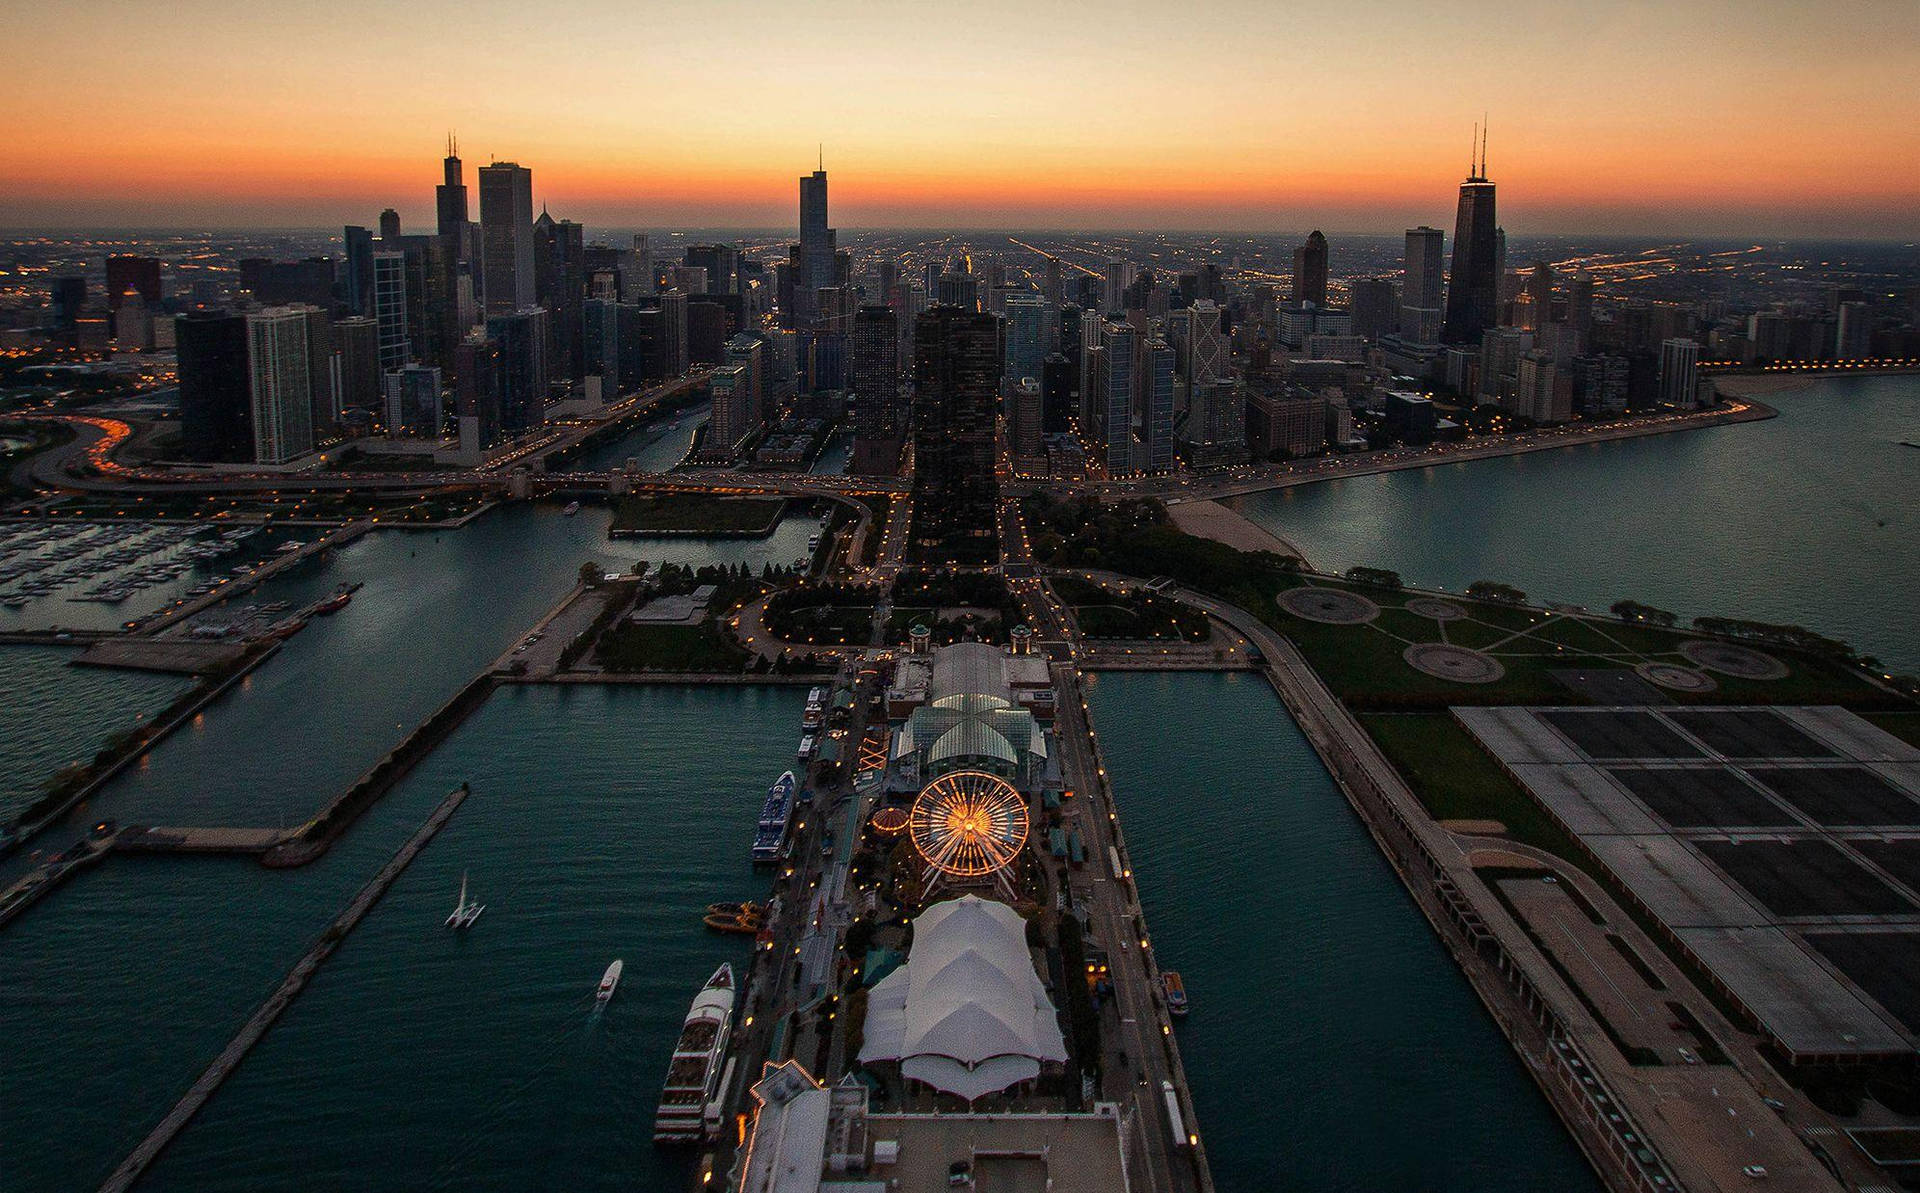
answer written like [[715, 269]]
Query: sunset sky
[[1749, 117]]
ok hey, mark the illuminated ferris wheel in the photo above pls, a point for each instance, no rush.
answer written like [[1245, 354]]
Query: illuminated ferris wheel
[[968, 824]]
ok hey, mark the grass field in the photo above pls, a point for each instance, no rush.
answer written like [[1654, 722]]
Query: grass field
[[629, 648], [696, 513], [1364, 664], [1456, 780]]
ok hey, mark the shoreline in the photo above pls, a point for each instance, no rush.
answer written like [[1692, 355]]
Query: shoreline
[[1408, 459]]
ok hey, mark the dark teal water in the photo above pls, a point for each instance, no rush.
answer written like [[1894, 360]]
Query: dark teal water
[[54, 714], [1810, 518], [654, 446], [602, 823], [1333, 1044], [436, 608]]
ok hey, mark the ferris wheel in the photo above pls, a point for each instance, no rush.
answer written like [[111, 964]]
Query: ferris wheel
[[968, 824]]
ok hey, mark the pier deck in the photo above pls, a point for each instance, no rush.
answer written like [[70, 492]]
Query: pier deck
[[149, 1149], [146, 839]]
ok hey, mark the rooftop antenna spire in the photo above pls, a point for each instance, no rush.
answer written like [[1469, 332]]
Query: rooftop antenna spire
[[1473, 147], [1483, 144], [823, 156]]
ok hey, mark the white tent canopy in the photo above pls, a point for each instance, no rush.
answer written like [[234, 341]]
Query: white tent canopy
[[966, 1014]]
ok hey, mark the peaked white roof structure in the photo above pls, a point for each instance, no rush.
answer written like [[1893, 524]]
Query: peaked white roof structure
[[966, 1014]]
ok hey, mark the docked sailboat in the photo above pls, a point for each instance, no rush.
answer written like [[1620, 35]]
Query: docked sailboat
[[690, 1103], [609, 981], [464, 912]]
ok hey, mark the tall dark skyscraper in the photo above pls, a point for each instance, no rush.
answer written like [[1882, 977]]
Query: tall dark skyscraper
[[506, 231], [560, 285], [356, 277], [956, 371], [815, 260], [450, 197], [1473, 288], [1310, 271], [216, 394], [873, 369]]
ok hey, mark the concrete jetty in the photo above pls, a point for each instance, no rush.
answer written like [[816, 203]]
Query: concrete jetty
[[149, 1149], [273, 567], [139, 838], [173, 656]]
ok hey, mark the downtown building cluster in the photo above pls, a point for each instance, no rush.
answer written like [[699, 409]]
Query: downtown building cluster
[[464, 339]]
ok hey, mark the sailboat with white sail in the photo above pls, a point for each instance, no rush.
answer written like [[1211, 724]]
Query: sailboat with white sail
[[464, 912]]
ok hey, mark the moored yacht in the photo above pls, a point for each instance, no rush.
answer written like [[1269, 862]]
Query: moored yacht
[[693, 1073]]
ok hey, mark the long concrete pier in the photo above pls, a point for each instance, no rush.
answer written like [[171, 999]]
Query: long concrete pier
[[149, 1149], [273, 567]]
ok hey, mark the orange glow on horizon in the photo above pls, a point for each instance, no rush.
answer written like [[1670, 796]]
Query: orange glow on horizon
[[1728, 115]]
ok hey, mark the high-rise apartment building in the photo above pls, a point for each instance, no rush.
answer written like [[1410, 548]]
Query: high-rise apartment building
[[279, 384], [1679, 372], [216, 408], [522, 377], [957, 366], [390, 309], [873, 374], [1026, 314]]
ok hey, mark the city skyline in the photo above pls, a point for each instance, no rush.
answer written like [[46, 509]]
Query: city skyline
[[1352, 121]]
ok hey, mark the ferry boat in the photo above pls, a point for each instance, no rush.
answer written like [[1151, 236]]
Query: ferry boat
[[693, 1074], [609, 981], [1176, 990], [464, 913], [572, 508], [774, 815]]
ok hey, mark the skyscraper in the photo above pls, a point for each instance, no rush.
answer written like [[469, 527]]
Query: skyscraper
[[1310, 271], [450, 198], [280, 383], [1422, 290], [357, 278], [816, 269], [957, 369], [1111, 377], [560, 285], [1373, 308], [390, 308], [506, 232], [1026, 334], [1153, 416], [1679, 372], [874, 376], [1473, 288], [522, 370], [357, 355], [216, 413]]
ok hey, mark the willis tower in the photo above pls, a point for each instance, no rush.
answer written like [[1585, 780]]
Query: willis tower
[[1473, 287]]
